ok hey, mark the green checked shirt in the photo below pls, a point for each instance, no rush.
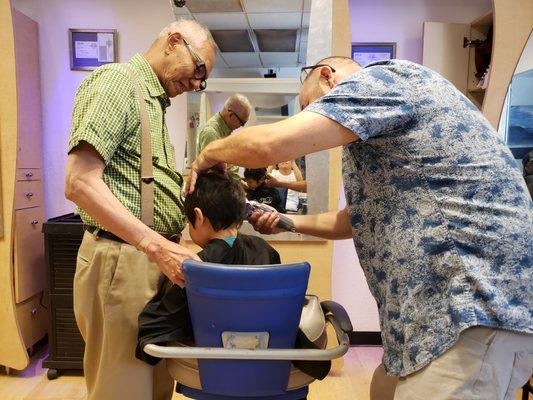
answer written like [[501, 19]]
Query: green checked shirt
[[215, 129], [106, 115]]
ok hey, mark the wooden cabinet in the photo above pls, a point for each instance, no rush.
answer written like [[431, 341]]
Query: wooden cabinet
[[511, 22], [23, 318], [444, 51]]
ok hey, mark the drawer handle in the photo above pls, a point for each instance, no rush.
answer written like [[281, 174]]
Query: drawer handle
[[29, 195], [29, 174], [33, 312], [34, 222]]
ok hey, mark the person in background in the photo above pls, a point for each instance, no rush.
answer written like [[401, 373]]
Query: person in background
[[259, 191], [286, 171], [234, 114], [121, 260]]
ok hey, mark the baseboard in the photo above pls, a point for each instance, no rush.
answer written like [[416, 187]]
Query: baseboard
[[358, 338]]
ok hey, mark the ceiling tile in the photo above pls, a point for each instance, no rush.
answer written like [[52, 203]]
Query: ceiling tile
[[275, 20], [305, 20], [307, 5], [276, 40], [232, 40], [269, 6], [202, 6], [279, 59], [223, 20], [236, 60]]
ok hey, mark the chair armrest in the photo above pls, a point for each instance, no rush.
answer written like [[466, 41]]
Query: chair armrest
[[338, 313], [220, 353]]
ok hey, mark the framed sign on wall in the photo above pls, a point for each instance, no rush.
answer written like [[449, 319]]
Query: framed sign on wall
[[90, 48], [365, 53]]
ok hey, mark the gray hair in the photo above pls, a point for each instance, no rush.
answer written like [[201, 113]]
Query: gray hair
[[238, 100], [193, 31]]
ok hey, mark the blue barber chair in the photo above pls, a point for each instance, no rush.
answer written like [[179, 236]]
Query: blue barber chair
[[245, 321]]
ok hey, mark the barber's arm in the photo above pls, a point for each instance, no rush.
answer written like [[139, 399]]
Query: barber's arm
[[85, 187], [257, 146], [333, 225], [298, 186]]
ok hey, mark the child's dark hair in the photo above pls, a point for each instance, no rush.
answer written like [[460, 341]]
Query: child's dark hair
[[255, 173], [221, 199]]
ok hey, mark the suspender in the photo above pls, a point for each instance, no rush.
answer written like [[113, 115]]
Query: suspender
[[147, 173]]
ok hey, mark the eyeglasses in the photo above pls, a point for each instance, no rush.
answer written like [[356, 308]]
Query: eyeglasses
[[200, 72], [236, 116], [305, 71]]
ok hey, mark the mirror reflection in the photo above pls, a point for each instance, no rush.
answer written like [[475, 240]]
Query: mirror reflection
[[516, 125]]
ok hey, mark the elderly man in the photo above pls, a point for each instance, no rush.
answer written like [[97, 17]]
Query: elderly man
[[121, 259], [234, 115], [439, 214]]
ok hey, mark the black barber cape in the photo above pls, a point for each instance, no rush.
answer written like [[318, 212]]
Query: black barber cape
[[166, 317]]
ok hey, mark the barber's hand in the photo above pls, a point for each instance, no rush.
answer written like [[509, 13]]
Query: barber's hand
[[265, 222], [271, 181], [168, 256], [201, 164]]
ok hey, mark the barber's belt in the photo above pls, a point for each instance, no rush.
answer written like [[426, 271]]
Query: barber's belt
[[108, 235]]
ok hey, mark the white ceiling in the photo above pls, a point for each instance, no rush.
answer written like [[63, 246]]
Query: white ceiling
[[249, 15]]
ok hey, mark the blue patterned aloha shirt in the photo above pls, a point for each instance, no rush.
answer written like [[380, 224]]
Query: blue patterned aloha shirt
[[441, 217]]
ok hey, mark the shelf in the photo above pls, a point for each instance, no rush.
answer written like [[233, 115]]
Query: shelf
[[476, 90], [483, 23]]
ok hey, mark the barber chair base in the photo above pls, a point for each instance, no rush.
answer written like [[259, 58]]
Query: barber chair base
[[185, 372], [297, 394]]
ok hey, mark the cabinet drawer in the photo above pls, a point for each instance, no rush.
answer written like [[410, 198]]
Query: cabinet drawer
[[29, 174], [32, 319], [28, 194], [30, 270]]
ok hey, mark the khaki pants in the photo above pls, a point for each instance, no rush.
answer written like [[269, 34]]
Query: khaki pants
[[484, 364], [113, 283]]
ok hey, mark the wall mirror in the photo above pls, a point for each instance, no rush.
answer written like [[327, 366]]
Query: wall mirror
[[272, 99], [516, 123]]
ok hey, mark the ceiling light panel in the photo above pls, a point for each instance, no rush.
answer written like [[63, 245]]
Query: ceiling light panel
[[224, 21], [242, 60], [275, 20], [279, 59], [214, 6], [269, 6], [276, 40], [233, 41]]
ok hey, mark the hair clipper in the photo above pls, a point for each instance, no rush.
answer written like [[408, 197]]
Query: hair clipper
[[283, 223]]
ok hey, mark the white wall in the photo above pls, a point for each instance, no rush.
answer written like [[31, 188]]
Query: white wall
[[400, 22], [138, 24]]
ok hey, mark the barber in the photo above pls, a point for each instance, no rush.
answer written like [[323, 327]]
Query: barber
[[439, 214], [120, 260]]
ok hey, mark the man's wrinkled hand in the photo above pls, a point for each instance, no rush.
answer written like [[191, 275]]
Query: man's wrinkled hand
[[200, 165], [169, 257]]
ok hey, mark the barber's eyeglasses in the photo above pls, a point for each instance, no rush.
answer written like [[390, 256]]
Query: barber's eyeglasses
[[236, 116], [305, 71], [200, 72]]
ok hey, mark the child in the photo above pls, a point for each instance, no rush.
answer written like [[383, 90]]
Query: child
[[215, 211], [288, 171], [259, 191]]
